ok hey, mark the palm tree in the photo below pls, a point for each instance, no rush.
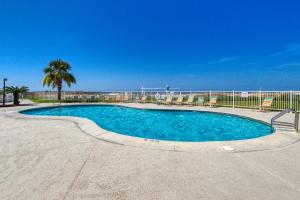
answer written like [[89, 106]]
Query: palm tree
[[55, 73], [16, 91]]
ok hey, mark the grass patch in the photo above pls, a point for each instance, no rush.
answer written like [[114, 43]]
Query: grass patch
[[46, 101]]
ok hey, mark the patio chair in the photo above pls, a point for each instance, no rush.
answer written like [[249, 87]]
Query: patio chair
[[126, 98], [142, 100], [266, 104], [190, 100], [107, 98], [179, 100], [200, 101], [168, 101], [213, 102], [160, 100], [118, 98]]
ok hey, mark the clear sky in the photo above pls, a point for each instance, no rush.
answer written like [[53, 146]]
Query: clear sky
[[121, 44]]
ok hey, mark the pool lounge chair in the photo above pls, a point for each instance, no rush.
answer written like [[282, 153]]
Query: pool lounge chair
[[213, 102], [200, 101], [168, 101], [190, 100], [143, 99], [126, 98], [107, 98], [266, 104], [160, 100], [179, 100], [118, 98]]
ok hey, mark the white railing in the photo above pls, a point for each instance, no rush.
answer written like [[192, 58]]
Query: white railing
[[236, 99], [8, 98]]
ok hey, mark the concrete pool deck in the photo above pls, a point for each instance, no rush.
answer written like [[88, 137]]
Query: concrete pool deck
[[48, 158]]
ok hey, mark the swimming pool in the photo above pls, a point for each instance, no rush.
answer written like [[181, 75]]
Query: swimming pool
[[171, 125]]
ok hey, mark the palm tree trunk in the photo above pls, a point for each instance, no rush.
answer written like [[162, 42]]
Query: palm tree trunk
[[59, 92], [16, 99]]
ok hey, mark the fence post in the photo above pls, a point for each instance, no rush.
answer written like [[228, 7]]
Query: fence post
[[297, 121], [291, 99], [260, 102], [233, 94]]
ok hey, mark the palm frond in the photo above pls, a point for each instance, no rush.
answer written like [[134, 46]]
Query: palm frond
[[16, 90]]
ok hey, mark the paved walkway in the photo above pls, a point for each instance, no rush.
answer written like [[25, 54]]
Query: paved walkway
[[53, 159]]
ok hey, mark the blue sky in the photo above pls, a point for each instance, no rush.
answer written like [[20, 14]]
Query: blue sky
[[119, 44]]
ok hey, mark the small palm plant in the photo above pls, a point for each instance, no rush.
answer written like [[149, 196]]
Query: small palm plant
[[16, 91], [55, 73]]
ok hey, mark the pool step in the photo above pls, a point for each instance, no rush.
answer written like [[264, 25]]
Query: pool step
[[295, 125], [284, 124]]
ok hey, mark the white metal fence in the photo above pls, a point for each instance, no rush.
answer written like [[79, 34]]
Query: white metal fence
[[236, 99], [8, 98]]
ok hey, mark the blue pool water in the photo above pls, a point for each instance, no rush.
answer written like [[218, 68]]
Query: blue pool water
[[169, 125]]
